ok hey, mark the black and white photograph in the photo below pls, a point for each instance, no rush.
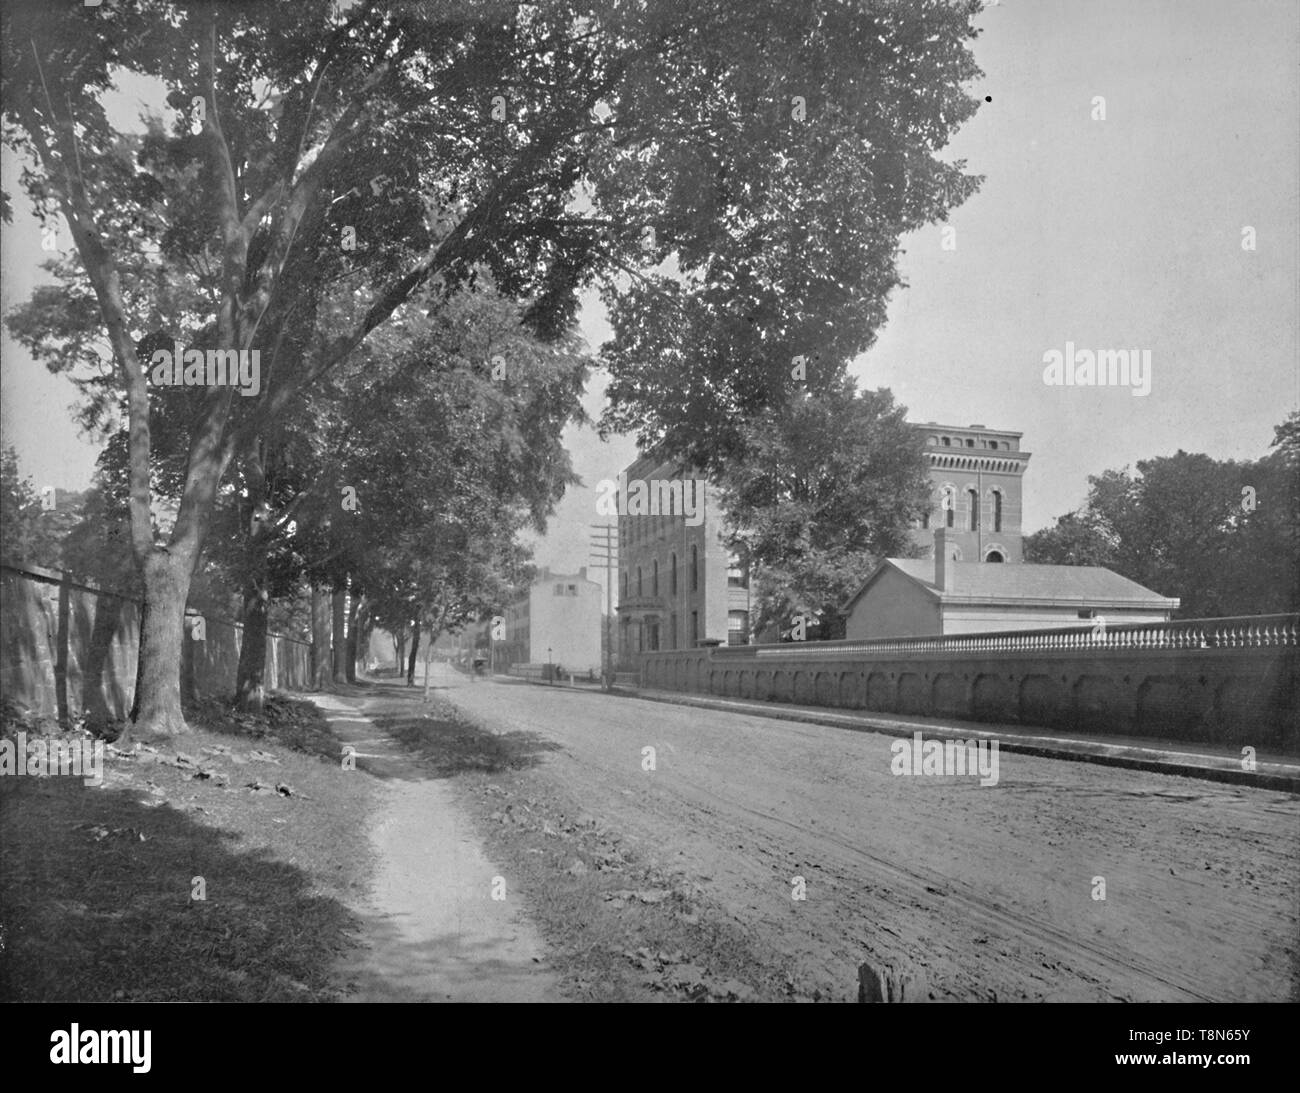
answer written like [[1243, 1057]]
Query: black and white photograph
[[640, 501]]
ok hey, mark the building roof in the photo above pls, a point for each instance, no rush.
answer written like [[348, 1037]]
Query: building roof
[[1002, 583]]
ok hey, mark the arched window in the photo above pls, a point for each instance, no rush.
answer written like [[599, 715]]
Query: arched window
[[946, 441], [973, 504], [994, 556], [625, 578], [638, 580], [672, 587], [997, 511], [993, 444], [970, 442], [950, 509], [695, 569], [654, 578]]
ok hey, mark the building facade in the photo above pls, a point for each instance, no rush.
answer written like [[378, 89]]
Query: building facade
[[678, 585], [558, 622], [976, 475]]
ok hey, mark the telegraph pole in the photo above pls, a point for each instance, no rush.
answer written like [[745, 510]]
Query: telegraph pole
[[604, 545]]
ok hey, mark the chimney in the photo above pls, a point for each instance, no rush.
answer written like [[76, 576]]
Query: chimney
[[943, 564]]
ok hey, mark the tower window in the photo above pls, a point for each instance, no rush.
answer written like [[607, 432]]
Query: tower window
[[997, 510], [973, 501]]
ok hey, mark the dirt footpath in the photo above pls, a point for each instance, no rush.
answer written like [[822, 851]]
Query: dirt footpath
[[431, 929], [991, 892]]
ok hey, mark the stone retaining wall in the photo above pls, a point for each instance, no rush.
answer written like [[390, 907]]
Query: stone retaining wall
[[68, 649], [1243, 694]]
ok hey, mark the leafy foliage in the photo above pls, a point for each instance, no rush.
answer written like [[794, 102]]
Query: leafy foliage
[[1221, 535], [831, 487]]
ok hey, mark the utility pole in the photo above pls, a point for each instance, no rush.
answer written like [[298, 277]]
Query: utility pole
[[604, 545]]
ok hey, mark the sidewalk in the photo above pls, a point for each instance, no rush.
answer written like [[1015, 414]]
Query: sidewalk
[[1212, 762], [431, 931]]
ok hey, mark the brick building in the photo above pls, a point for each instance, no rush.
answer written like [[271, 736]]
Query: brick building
[[976, 474], [678, 585]]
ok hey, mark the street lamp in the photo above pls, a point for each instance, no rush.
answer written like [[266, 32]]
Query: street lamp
[[550, 668]]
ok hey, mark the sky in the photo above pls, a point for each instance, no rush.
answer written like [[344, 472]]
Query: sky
[[1117, 233]]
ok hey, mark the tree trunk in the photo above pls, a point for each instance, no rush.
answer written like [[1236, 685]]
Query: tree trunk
[[250, 677], [340, 640], [320, 638], [156, 709], [354, 640], [399, 647], [415, 645]]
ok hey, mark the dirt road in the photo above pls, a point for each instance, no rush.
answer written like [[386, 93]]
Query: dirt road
[[989, 889]]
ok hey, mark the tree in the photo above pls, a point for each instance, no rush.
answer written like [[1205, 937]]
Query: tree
[[324, 164], [830, 486], [24, 534], [1077, 538], [1219, 534], [804, 149]]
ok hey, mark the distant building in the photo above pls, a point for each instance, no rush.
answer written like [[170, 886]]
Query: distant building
[[558, 621], [919, 597], [678, 585], [975, 474]]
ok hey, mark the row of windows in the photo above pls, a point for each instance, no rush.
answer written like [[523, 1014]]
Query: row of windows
[[737, 575], [633, 529], [645, 636], [672, 576], [947, 442], [948, 504]]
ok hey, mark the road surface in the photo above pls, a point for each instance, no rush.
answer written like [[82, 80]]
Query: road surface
[[992, 891]]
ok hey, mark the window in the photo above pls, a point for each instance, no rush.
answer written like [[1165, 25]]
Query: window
[[672, 580], [970, 442], [695, 569], [625, 577], [925, 520], [993, 444], [737, 627], [638, 581], [737, 573], [672, 632], [950, 510], [994, 556], [997, 510], [559, 590], [654, 578], [572, 590], [973, 501], [946, 442], [695, 629]]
